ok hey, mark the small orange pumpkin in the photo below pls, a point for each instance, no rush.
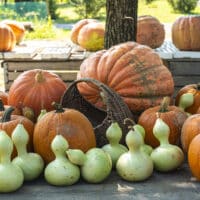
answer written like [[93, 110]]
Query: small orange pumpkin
[[173, 116], [193, 156], [193, 89], [150, 31], [7, 38], [190, 129], [18, 29], [36, 89], [70, 123]]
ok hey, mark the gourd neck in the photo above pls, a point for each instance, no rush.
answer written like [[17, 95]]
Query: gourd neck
[[7, 115]]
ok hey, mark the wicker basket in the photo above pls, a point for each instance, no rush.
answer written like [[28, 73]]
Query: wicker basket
[[116, 110]]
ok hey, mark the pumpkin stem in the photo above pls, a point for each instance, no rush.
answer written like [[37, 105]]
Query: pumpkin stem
[[39, 78], [58, 107], [164, 105], [7, 114], [1, 105]]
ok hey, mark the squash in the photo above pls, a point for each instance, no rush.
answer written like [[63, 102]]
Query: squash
[[150, 31], [18, 29], [36, 89], [89, 34], [193, 89], [193, 157], [7, 38], [190, 129], [173, 116], [134, 71], [70, 123], [185, 33]]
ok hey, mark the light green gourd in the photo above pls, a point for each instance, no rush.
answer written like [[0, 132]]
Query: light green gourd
[[134, 165], [11, 176], [186, 100], [114, 148], [95, 164], [41, 115], [60, 171], [144, 147], [166, 157], [31, 163]]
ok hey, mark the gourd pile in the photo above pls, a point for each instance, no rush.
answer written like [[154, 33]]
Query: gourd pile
[[39, 136]]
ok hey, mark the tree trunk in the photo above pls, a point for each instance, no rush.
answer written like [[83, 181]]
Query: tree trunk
[[121, 21]]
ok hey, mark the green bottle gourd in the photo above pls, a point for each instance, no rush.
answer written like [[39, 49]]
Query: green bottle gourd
[[166, 157], [11, 176], [31, 163], [134, 165], [42, 113], [114, 149], [60, 171], [95, 164], [186, 100], [144, 147]]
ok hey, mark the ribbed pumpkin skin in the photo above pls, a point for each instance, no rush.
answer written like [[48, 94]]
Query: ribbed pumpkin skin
[[18, 29], [185, 33], [193, 89], [174, 118], [7, 38], [77, 27], [193, 156], [190, 129], [72, 124], [150, 31], [134, 71], [26, 91], [4, 97]]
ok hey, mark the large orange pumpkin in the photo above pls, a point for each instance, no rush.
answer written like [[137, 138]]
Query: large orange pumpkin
[[193, 89], [185, 33], [134, 71], [7, 38], [173, 116], [193, 157], [190, 129], [150, 31], [70, 123], [18, 29], [36, 89]]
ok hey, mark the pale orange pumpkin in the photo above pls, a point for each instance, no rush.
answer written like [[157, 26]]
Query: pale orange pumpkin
[[18, 29], [7, 38]]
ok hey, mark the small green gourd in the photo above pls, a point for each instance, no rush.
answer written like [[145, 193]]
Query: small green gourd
[[11, 176], [134, 165], [31, 163], [186, 100], [60, 171], [95, 164], [166, 157], [42, 113], [114, 149], [144, 147]]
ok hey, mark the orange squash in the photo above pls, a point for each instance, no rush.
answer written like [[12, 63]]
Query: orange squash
[[150, 31], [190, 129], [36, 89], [173, 116], [18, 29], [7, 38], [185, 33], [193, 157], [134, 71], [70, 123]]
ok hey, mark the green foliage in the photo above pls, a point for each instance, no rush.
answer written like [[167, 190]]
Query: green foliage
[[88, 8], [183, 6], [52, 9], [149, 1]]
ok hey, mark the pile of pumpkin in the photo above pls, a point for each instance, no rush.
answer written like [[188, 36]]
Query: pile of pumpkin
[[50, 136]]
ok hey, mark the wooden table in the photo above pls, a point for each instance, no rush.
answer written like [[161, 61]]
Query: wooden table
[[64, 58]]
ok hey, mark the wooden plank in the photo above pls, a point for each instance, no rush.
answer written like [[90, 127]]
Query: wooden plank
[[45, 65], [184, 80], [185, 68]]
